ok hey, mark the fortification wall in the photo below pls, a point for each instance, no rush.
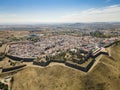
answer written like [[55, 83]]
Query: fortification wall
[[75, 66], [20, 58], [112, 44], [1, 58], [94, 56], [13, 68], [48, 62], [85, 69], [41, 63], [58, 61], [67, 63], [89, 65]]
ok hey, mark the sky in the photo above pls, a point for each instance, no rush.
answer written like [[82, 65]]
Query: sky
[[59, 11]]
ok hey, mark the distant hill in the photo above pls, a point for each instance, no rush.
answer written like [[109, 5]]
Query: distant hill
[[105, 76], [94, 26]]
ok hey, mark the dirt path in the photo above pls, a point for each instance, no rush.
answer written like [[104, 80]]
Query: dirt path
[[109, 51], [54, 63], [95, 63], [30, 64], [109, 65], [51, 64]]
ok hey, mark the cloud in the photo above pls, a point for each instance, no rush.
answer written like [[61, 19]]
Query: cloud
[[8, 15], [105, 14]]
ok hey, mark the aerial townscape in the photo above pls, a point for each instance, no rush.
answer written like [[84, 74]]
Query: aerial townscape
[[44, 46], [59, 44]]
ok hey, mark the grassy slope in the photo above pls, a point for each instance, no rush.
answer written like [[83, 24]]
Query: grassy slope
[[105, 76], [49, 78]]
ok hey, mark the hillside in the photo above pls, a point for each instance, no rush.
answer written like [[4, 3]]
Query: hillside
[[104, 76]]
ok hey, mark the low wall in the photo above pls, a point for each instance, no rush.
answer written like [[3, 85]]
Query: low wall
[[41, 63], [48, 62], [13, 68], [75, 66], [109, 45], [112, 44], [94, 56], [58, 61], [89, 65], [20, 58], [1, 58], [5, 74], [85, 69], [67, 63]]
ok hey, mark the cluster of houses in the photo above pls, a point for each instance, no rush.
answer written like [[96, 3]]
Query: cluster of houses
[[56, 44]]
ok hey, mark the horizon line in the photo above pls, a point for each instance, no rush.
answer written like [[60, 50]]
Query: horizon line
[[55, 23]]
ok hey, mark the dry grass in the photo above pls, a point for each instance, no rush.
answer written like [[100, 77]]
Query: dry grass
[[49, 78], [104, 76]]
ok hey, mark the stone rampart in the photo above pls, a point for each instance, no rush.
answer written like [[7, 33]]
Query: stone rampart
[[41, 63], [59, 61], [97, 54], [75, 66], [20, 58], [13, 68]]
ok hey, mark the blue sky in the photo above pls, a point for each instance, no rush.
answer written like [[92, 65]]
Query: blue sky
[[47, 11]]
